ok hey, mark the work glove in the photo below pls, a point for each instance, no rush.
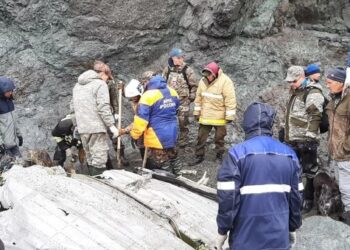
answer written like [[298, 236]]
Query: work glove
[[123, 131], [196, 118], [121, 85], [292, 239], [311, 135], [2, 149], [220, 240], [20, 140], [114, 131]]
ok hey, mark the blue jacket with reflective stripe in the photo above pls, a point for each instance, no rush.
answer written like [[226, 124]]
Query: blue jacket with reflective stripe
[[263, 205]]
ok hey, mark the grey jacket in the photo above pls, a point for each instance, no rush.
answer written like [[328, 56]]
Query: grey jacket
[[91, 104], [9, 130]]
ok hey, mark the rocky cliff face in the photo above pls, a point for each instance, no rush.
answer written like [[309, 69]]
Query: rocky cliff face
[[45, 45]]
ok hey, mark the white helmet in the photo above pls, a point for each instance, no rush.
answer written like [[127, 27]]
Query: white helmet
[[134, 88]]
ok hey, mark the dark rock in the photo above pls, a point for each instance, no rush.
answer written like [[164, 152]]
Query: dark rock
[[45, 45]]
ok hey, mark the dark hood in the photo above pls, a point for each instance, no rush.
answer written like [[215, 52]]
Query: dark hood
[[156, 82], [6, 85], [258, 120]]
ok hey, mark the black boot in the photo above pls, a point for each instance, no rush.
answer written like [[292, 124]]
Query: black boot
[[123, 159], [307, 206], [95, 171]]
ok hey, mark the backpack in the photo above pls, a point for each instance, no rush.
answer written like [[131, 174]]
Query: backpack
[[324, 124], [183, 72]]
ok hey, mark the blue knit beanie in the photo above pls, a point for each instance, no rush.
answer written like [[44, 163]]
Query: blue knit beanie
[[312, 69], [337, 74]]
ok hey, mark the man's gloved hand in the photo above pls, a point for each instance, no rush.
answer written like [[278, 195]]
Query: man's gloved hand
[[121, 85], [196, 118], [292, 239], [311, 135], [2, 149], [123, 131], [220, 240], [20, 140], [114, 131]]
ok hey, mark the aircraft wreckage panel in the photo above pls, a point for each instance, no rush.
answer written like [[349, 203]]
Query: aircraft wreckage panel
[[193, 214], [50, 211]]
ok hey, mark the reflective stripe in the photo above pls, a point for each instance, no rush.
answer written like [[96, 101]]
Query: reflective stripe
[[207, 94], [212, 121], [301, 186], [230, 112], [226, 185], [197, 108], [267, 188]]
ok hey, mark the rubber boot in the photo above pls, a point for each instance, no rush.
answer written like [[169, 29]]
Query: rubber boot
[[95, 171]]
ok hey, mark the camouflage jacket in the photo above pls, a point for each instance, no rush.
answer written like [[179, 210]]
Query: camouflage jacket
[[304, 112], [176, 80], [339, 128], [91, 104]]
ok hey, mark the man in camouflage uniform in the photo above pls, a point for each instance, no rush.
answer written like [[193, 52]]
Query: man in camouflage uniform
[[93, 115], [303, 117], [181, 77], [113, 88]]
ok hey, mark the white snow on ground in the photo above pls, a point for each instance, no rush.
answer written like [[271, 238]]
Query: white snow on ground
[[50, 211]]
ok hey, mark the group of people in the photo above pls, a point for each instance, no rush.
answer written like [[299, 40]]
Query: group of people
[[161, 104], [260, 188]]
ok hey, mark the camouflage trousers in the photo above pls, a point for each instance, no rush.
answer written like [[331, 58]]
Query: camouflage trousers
[[203, 134], [96, 149], [183, 114], [165, 159]]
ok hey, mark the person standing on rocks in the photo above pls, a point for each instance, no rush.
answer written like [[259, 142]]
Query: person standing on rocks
[[258, 188], [11, 138], [338, 111], [113, 97], [93, 114], [181, 77], [302, 123], [313, 72], [133, 91], [215, 106], [156, 121]]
